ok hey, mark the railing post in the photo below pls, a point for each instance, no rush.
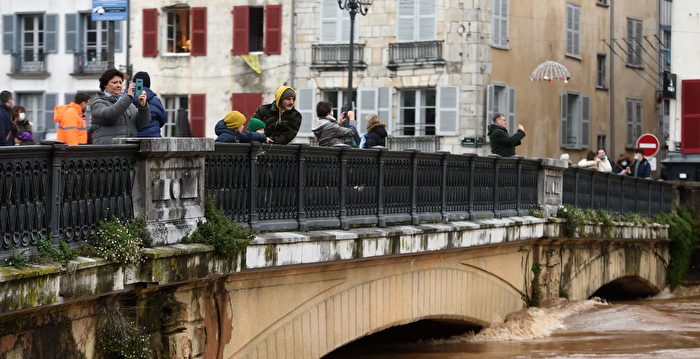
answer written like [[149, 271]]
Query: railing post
[[607, 192], [470, 184], [56, 196], [518, 186], [301, 183], [550, 185], [415, 220], [576, 178], [381, 220], [252, 187], [494, 196], [344, 225], [443, 187]]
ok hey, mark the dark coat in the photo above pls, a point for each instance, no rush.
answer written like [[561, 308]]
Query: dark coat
[[376, 137], [329, 133], [503, 144], [641, 171], [158, 116], [228, 135], [7, 132], [281, 128]]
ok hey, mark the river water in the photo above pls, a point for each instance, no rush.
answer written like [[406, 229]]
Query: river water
[[666, 326]]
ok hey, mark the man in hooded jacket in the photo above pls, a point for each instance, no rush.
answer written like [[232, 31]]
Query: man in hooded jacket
[[7, 133], [158, 116], [282, 120], [501, 143]]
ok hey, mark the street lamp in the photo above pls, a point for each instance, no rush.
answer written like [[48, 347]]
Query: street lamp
[[353, 7]]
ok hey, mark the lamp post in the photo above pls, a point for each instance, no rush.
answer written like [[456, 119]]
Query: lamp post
[[353, 7]]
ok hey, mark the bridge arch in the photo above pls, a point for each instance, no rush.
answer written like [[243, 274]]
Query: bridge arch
[[350, 313]]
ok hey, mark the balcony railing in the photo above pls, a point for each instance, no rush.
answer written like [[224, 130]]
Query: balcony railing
[[336, 56], [421, 143], [420, 52], [84, 64], [29, 63]]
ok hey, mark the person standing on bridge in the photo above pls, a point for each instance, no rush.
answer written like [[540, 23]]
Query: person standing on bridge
[[282, 120], [641, 167], [7, 132], [501, 143]]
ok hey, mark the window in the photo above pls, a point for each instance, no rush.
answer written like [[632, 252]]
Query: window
[[499, 28], [573, 30], [633, 121], [184, 31], [601, 78], [634, 42], [177, 31], [177, 111], [28, 38], [666, 47], [39, 108], [500, 98], [337, 98], [32, 40], [335, 24], [87, 39], [602, 2], [417, 112], [601, 143], [575, 120], [416, 20], [257, 29]]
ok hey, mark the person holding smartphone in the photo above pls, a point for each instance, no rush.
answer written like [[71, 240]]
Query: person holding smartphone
[[114, 114], [328, 130]]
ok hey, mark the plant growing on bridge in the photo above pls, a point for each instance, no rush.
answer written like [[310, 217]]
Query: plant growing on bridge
[[535, 298], [574, 219], [63, 253], [683, 230], [118, 241], [19, 259], [228, 238], [119, 337]]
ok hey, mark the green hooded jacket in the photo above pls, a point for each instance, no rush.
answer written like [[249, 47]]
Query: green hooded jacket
[[501, 143], [281, 124]]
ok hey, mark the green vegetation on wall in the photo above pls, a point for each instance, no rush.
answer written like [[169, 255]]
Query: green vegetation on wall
[[228, 238], [118, 241], [684, 232], [119, 337]]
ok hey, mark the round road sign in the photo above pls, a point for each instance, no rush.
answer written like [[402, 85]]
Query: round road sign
[[649, 144]]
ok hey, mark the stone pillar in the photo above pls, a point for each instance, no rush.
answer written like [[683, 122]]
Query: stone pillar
[[550, 185], [168, 188]]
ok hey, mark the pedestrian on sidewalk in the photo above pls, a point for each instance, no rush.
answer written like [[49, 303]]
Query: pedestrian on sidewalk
[[501, 142]]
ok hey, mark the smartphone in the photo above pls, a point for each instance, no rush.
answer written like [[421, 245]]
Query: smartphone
[[139, 87]]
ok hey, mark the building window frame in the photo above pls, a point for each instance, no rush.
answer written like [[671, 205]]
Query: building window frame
[[634, 116], [422, 104], [573, 30], [172, 104], [575, 111], [177, 37], [32, 40], [635, 31], [602, 71], [416, 20], [500, 24]]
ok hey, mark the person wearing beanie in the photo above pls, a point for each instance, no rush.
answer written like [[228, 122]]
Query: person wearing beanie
[[158, 116], [232, 130], [7, 132], [255, 125], [376, 132], [282, 120]]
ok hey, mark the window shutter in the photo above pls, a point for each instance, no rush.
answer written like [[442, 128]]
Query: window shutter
[[366, 105], [638, 26], [305, 106], [150, 32], [384, 105], [577, 31], [638, 121], [246, 103], [273, 29], [329, 22], [406, 18], [427, 10], [629, 122], [71, 33], [198, 118], [503, 36], [198, 20], [496, 23], [630, 41], [8, 34], [563, 141], [569, 29], [585, 122], [50, 34], [490, 97], [241, 25], [118, 36], [511, 110], [447, 119], [50, 101]]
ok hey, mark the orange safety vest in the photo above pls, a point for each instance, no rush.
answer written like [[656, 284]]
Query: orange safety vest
[[71, 124]]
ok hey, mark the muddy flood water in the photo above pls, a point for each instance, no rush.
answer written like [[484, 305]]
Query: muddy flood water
[[665, 326]]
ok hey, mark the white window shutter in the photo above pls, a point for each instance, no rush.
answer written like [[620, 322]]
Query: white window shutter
[[503, 37], [367, 103], [329, 32], [629, 122], [563, 141], [305, 105], [447, 121], [511, 110], [569, 29], [638, 122], [577, 31], [630, 42], [427, 20], [585, 122], [384, 105], [638, 42], [490, 103], [496, 23], [406, 20]]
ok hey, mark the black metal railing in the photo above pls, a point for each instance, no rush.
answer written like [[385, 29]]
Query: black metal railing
[[29, 63], [61, 191], [88, 64], [421, 143], [302, 187], [415, 52], [616, 193], [336, 55]]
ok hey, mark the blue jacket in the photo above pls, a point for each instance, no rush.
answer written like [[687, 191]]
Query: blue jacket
[[158, 116], [7, 133], [226, 134], [644, 169]]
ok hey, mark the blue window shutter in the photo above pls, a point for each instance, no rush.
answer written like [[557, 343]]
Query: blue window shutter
[[447, 121], [71, 33], [8, 33], [305, 105], [118, 34], [50, 101], [50, 33], [563, 141], [585, 121]]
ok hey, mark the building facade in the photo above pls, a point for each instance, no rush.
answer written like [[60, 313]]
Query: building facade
[[50, 51]]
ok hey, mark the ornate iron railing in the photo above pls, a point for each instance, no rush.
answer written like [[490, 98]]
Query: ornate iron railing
[[336, 55], [301, 187], [415, 52], [61, 191], [83, 64], [29, 63], [616, 193]]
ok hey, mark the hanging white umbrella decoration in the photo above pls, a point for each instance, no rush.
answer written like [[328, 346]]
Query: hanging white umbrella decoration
[[550, 71]]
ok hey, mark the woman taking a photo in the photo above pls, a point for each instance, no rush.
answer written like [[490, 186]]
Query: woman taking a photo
[[113, 112]]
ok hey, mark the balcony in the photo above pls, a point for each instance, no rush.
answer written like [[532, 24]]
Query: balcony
[[415, 53], [30, 64], [84, 64], [335, 56]]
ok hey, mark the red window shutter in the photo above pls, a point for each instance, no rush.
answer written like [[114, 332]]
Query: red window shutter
[[241, 27], [199, 31], [690, 112], [246, 103], [150, 32], [273, 29], [198, 118]]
